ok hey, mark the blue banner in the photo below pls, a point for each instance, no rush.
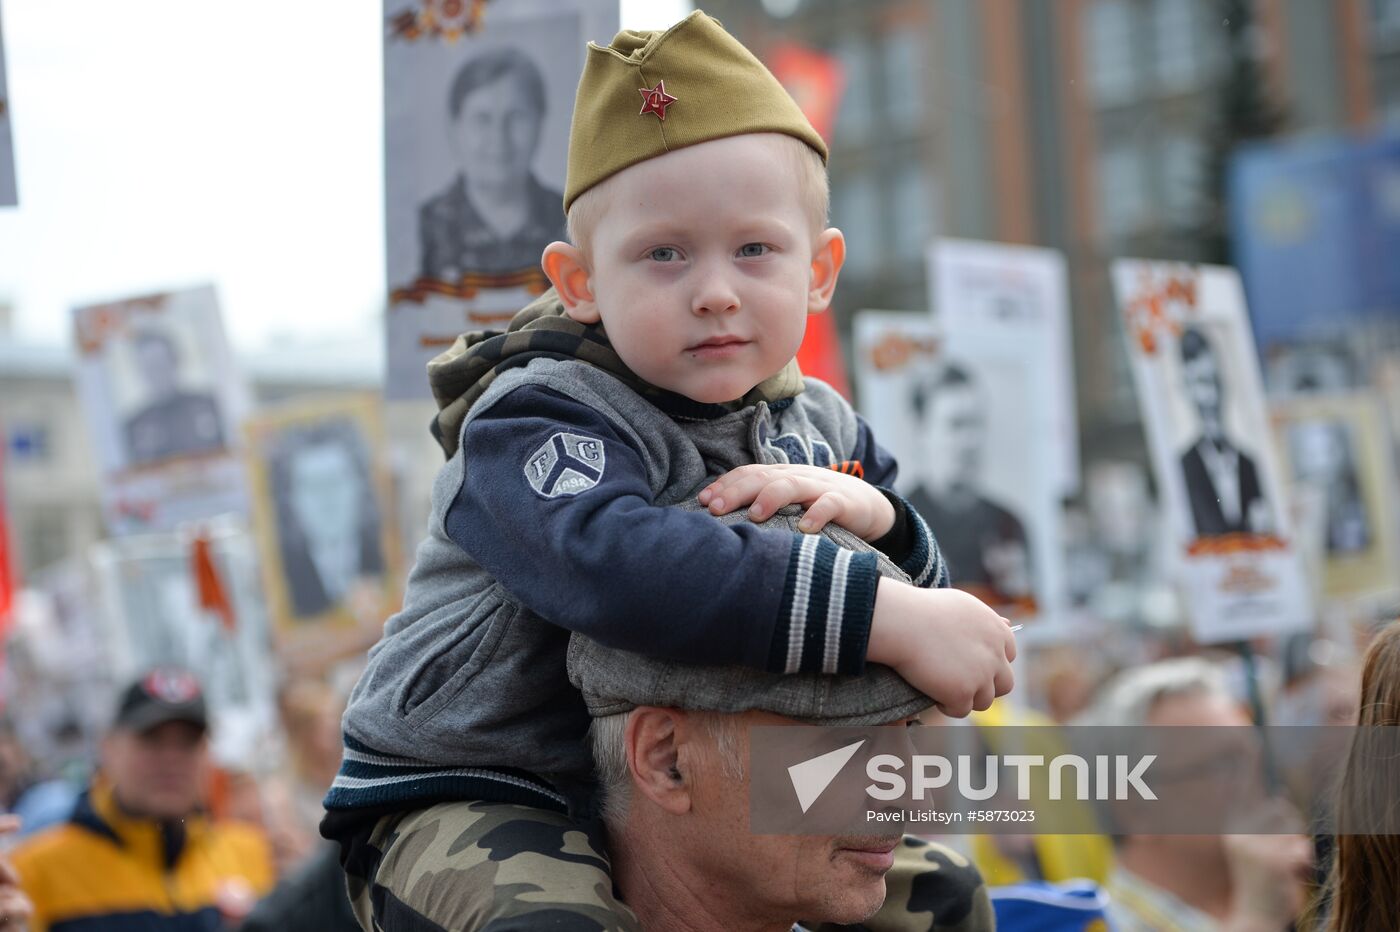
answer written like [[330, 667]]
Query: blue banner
[[1316, 227]]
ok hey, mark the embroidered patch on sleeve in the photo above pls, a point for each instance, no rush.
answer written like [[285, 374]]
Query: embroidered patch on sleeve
[[566, 464]]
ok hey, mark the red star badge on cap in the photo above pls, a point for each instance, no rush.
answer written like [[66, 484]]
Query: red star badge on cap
[[655, 100]]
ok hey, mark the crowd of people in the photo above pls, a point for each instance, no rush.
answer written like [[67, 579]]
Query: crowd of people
[[148, 835]]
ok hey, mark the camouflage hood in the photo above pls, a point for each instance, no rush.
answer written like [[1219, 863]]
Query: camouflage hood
[[541, 330]]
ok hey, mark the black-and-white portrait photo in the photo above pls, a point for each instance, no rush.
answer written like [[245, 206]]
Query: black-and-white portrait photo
[[1323, 456], [1339, 456], [963, 425], [983, 540], [476, 142], [495, 216], [169, 419], [163, 397], [328, 520], [1222, 480]]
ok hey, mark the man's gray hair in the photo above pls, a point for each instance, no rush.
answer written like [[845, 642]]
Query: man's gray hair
[[608, 736], [1128, 699]]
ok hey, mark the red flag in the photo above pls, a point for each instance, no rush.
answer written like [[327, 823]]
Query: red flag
[[814, 79], [820, 353], [213, 597]]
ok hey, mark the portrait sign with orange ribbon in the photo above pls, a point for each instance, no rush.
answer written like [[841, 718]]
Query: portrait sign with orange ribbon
[[163, 399], [478, 97], [971, 462], [1202, 398]]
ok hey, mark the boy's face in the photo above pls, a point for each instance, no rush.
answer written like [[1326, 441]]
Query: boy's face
[[701, 267]]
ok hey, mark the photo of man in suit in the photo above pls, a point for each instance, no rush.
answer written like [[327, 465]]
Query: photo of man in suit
[[328, 519], [984, 542], [1222, 481], [172, 421], [495, 216]]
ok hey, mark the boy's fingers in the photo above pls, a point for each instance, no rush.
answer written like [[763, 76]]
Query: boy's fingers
[[1004, 681], [960, 709], [731, 494], [9, 823], [826, 509], [776, 494], [1010, 648]]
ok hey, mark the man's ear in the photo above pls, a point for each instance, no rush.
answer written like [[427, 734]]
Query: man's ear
[[564, 266], [653, 744], [827, 259]]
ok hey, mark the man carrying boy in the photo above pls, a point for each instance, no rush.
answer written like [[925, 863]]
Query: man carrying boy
[[661, 371]]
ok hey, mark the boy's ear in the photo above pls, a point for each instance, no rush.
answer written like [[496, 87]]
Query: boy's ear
[[564, 266], [827, 259]]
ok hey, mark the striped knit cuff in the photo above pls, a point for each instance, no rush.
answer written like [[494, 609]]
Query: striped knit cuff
[[824, 617], [921, 560], [369, 779]]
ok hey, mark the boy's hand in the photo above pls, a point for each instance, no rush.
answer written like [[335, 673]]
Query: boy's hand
[[827, 496], [945, 643]]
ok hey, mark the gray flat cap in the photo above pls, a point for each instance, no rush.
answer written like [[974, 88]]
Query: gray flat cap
[[614, 681]]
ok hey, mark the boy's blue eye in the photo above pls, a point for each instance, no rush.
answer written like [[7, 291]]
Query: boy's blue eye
[[663, 254], [752, 250]]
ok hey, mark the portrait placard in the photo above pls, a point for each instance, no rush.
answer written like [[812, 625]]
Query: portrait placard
[[1202, 398], [991, 296], [1338, 458], [970, 461], [9, 193], [324, 517], [163, 398], [477, 105]]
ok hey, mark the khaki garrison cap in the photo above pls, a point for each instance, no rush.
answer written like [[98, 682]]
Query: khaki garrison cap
[[614, 681], [651, 92]]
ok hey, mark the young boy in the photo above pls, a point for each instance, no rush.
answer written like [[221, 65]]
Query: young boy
[[661, 369]]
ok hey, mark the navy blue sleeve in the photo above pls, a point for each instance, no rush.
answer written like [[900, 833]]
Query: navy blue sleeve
[[556, 504], [909, 543]]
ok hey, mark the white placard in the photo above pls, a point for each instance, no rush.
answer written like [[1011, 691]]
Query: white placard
[[1202, 400], [990, 296], [970, 461], [163, 399], [476, 122], [9, 193]]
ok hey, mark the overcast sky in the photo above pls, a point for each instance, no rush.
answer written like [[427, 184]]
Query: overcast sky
[[161, 143]]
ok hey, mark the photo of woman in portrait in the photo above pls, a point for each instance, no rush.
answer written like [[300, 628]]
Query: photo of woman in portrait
[[495, 216]]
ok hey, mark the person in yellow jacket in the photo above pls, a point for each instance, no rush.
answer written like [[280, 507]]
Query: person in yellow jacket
[[1051, 858], [137, 853]]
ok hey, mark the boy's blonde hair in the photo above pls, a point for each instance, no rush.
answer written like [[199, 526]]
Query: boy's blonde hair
[[807, 165]]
